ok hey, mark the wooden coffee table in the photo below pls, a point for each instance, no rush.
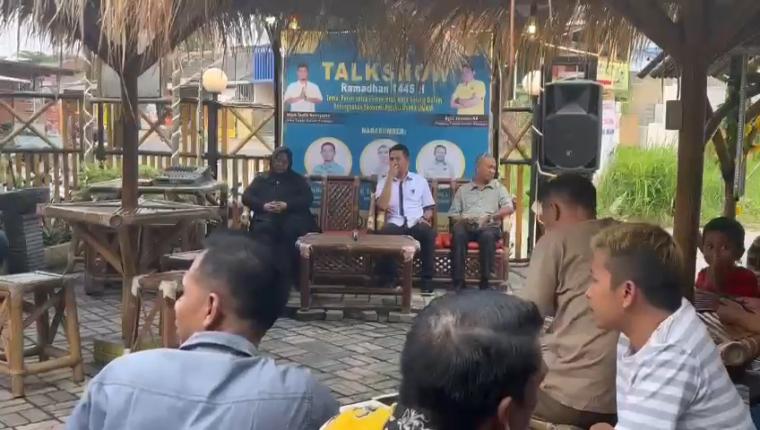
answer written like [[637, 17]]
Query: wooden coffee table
[[365, 244]]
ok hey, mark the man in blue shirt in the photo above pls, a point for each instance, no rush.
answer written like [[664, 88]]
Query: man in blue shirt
[[217, 379]]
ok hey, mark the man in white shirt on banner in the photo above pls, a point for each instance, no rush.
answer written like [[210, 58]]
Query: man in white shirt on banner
[[408, 203], [669, 373], [302, 95], [440, 168]]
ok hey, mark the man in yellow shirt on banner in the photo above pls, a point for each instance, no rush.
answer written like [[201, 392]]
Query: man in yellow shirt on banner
[[469, 97]]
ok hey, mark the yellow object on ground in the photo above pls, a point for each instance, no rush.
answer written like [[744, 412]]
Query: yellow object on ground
[[361, 417]]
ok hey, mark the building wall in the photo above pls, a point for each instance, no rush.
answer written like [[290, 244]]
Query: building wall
[[643, 123]]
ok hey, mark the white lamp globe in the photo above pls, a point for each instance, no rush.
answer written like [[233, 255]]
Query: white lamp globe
[[214, 80]]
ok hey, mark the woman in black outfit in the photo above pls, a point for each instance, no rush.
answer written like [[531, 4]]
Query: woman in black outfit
[[279, 202]]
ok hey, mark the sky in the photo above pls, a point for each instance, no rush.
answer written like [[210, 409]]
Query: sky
[[9, 41]]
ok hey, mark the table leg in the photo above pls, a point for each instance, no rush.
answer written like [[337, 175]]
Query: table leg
[[305, 280], [406, 286], [129, 303]]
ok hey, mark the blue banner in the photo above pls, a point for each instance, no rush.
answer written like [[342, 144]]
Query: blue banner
[[343, 112]]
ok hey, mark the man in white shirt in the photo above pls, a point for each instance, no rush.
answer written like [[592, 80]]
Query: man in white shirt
[[408, 203], [669, 372], [302, 95], [440, 168]]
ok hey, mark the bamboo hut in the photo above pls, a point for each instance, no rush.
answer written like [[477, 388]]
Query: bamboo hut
[[132, 35]]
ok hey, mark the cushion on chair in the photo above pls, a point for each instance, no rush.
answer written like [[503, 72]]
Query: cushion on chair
[[443, 241]]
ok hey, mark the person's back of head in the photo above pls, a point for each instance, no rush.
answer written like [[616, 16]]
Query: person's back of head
[[473, 361], [566, 199], [233, 286], [636, 267]]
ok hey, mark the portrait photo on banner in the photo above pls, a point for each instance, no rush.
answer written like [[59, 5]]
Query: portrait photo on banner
[[328, 156], [441, 159], [374, 160]]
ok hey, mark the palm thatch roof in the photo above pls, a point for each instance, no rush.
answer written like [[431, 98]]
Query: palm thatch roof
[[141, 31]]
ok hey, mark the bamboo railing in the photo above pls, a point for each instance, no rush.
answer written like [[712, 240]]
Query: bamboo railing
[[244, 137]]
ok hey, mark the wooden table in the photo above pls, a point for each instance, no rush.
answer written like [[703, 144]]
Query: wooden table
[[202, 193], [365, 245], [131, 242]]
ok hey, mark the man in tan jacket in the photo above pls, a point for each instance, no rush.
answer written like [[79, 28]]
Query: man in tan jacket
[[579, 389]]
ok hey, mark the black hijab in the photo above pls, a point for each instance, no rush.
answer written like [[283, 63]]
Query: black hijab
[[289, 154]]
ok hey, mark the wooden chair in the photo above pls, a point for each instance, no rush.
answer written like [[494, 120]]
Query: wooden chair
[[48, 291], [472, 259], [338, 202], [156, 294], [336, 205]]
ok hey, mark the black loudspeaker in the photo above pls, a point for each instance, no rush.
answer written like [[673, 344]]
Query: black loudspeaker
[[572, 126]]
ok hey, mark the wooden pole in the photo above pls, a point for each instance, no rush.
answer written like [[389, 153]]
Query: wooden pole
[[691, 155], [129, 133], [278, 70], [691, 162]]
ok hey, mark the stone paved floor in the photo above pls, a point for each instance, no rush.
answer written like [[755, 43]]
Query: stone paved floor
[[356, 359]]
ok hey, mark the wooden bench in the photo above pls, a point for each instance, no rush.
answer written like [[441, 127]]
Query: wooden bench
[[48, 291]]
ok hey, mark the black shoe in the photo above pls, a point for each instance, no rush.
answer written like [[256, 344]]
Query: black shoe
[[426, 287], [485, 285], [459, 286]]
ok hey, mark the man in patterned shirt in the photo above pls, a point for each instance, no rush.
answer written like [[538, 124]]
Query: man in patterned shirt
[[669, 373]]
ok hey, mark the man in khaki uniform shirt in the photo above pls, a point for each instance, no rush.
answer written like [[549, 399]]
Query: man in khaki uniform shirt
[[579, 388]]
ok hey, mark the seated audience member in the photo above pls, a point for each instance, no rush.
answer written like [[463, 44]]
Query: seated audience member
[[471, 361], [669, 372], [742, 312], [579, 389], [478, 209], [217, 379], [406, 198], [4, 247], [723, 246], [280, 201]]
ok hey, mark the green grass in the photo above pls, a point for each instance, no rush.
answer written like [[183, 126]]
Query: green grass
[[640, 185], [91, 173]]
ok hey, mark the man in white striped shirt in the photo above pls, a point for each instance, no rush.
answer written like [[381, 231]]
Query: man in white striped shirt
[[669, 373]]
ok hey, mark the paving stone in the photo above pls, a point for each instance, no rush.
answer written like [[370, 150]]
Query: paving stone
[[61, 396], [14, 406], [14, 419], [45, 425], [334, 315], [398, 317], [40, 400], [34, 415], [369, 315], [310, 314]]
